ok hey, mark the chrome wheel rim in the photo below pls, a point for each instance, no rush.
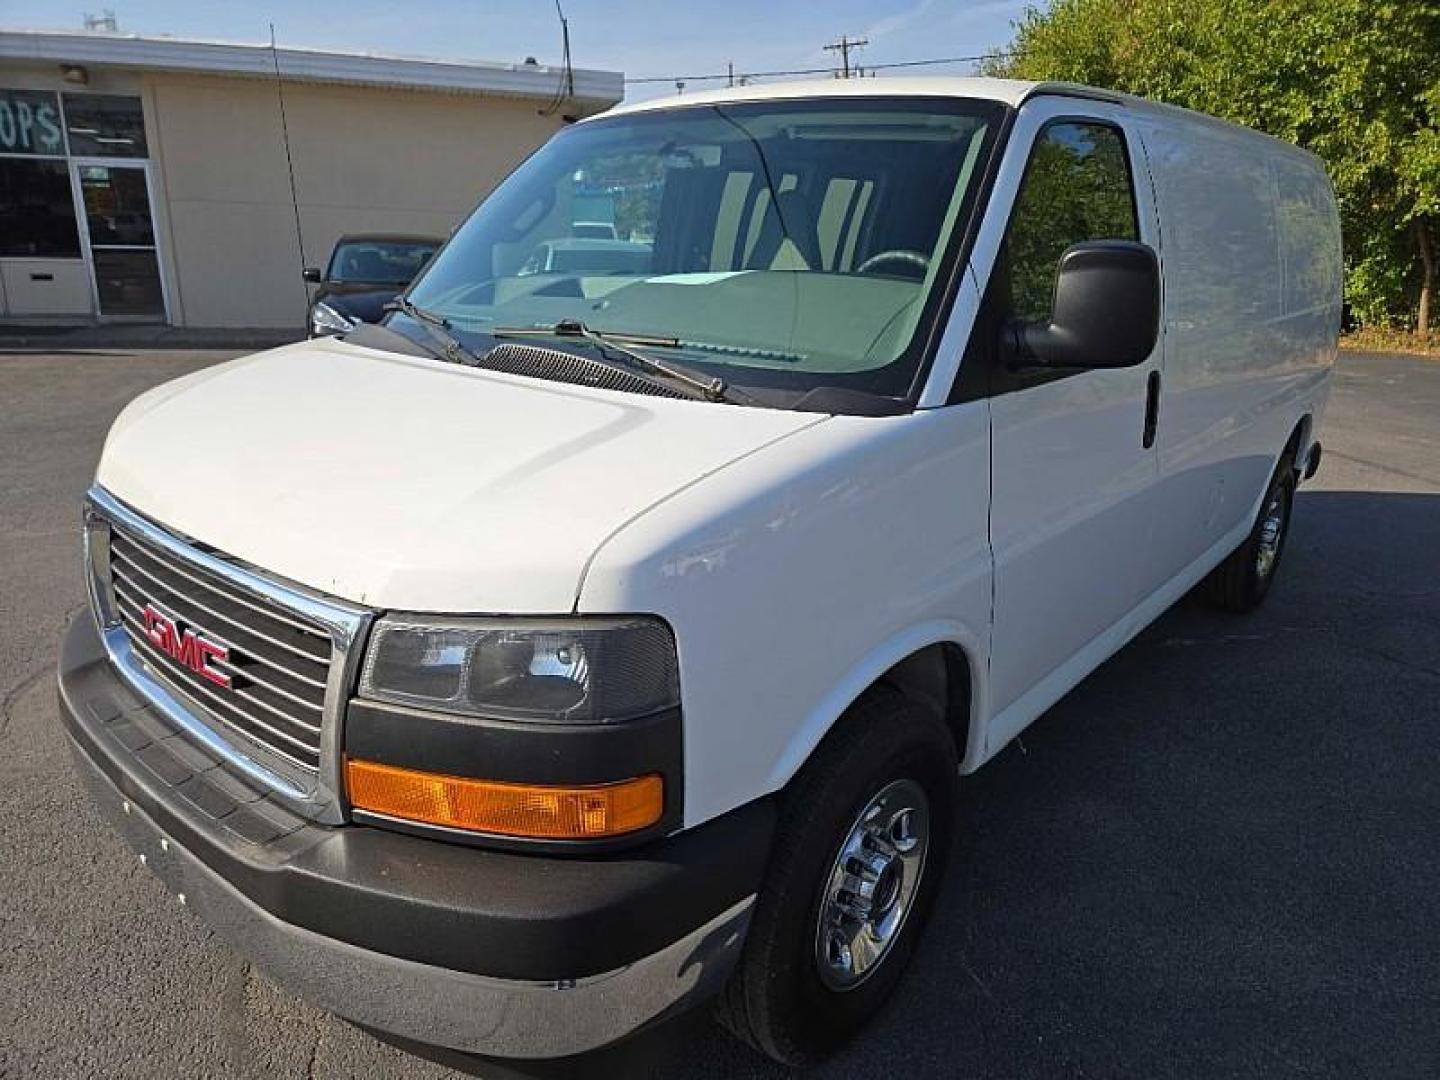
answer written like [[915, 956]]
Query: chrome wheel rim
[[1272, 530], [872, 885]]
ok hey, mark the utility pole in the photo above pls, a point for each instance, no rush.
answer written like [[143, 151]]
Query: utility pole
[[730, 68], [843, 47]]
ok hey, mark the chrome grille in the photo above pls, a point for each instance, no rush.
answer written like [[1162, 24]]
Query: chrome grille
[[278, 662], [287, 653]]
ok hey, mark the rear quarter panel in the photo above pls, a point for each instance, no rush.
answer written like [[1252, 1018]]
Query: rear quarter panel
[[1250, 248]]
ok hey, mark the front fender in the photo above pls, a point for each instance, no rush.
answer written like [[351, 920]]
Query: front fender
[[797, 575], [867, 671]]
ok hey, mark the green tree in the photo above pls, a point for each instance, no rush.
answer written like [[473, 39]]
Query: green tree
[[1355, 81]]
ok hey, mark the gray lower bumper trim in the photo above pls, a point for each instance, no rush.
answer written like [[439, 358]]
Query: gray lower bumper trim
[[472, 1013]]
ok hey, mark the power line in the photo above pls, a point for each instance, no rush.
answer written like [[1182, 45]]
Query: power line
[[843, 47], [816, 70], [566, 90]]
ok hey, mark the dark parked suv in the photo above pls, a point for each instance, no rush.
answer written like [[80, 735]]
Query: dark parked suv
[[365, 273]]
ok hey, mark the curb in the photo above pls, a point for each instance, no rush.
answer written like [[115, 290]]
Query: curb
[[65, 338]]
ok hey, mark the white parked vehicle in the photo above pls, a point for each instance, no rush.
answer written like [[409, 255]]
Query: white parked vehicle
[[593, 230], [572, 649]]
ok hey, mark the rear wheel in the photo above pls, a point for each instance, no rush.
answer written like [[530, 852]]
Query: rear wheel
[[865, 831], [1242, 581]]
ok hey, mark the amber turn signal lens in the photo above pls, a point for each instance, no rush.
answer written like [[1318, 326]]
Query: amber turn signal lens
[[534, 811]]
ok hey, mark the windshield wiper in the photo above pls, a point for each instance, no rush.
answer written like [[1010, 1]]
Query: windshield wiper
[[438, 329], [709, 387]]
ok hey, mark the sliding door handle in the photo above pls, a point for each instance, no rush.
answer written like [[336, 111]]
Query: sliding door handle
[[1152, 409]]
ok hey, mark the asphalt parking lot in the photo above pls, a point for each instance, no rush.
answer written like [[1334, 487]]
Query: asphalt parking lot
[[1219, 856]]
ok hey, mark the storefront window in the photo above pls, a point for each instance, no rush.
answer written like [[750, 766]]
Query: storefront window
[[30, 123], [102, 125], [37, 209], [117, 206]]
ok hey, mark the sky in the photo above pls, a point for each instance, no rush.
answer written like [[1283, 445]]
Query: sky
[[639, 37]]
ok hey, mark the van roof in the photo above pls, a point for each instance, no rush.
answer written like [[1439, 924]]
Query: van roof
[[1011, 92]]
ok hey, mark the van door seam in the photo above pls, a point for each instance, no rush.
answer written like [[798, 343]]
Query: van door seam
[[989, 513]]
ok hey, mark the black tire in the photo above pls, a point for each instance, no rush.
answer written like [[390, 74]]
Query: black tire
[[777, 1000], [1241, 582]]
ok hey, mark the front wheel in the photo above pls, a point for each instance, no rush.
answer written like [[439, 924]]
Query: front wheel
[[864, 835], [1241, 582]]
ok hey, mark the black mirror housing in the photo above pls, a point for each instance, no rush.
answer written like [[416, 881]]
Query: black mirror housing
[[312, 275], [1106, 312]]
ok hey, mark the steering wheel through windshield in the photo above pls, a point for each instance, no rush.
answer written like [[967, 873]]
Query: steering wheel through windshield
[[898, 255]]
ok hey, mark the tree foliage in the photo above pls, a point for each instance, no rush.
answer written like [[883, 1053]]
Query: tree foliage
[[1355, 81]]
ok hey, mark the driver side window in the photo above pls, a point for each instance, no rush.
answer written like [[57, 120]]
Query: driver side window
[[1077, 187]]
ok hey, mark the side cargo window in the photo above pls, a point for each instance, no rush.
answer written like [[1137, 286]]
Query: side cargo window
[[1077, 187]]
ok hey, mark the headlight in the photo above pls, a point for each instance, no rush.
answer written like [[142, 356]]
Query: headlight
[[570, 671], [324, 320]]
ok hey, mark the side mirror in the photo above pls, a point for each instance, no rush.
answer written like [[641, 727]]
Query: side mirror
[[1106, 312], [312, 275]]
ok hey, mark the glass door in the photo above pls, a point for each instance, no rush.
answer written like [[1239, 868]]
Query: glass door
[[120, 234]]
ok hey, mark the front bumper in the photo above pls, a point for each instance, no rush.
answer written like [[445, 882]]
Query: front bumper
[[488, 952]]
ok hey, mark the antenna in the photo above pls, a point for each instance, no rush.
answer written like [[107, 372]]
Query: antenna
[[843, 47], [289, 161], [566, 90]]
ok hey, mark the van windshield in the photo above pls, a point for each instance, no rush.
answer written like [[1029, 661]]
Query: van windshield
[[782, 245]]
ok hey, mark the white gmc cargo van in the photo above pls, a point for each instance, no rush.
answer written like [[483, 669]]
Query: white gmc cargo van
[[589, 641]]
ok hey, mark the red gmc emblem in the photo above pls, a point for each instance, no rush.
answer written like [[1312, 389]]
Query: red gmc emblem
[[186, 647]]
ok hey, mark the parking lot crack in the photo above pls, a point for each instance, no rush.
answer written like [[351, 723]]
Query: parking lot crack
[[1371, 650], [1380, 466], [965, 965], [1399, 661], [12, 695], [315, 1053]]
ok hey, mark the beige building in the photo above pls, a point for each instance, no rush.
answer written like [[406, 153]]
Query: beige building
[[146, 178]]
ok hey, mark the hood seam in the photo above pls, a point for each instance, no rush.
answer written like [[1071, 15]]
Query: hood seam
[[686, 486]]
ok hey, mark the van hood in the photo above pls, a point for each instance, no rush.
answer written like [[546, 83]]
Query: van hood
[[409, 484]]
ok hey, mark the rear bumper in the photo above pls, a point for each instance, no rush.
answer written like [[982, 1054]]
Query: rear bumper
[[496, 953]]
